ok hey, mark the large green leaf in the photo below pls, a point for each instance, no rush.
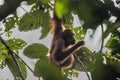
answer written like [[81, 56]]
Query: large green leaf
[[45, 24], [36, 50], [87, 58], [47, 71], [30, 21], [16, 44], [34, 20], [14, 69]]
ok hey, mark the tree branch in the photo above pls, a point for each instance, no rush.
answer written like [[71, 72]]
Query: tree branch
[[25, 63], [13, 56], [102, 44], [83, 66], [9, 7]]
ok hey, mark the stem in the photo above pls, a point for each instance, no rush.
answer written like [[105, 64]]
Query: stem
[[13, 56], [102, 44], [83, 66], [24, 63]]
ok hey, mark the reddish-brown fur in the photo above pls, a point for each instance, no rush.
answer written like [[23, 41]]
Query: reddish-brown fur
[[63, 44]]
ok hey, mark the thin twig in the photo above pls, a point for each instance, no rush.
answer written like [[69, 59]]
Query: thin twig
[[13, 56], [24, 63], [102, 44], [83, 66]]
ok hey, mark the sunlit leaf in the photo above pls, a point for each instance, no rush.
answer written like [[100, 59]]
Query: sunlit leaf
[[61, 7], [10, 23], [16, 44], [114, 45], [79, 33], [2, 47], [36, 51], [9, 33], [71, 73], [3, 55], [2, 61]]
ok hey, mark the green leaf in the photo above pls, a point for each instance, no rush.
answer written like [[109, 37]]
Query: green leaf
[[3, 55], [16, 44], [10, 23], [114, 45], [103, 72], [111, 27], [92, 13], [44, 1], [3, 52], [45, 25], [99, 57], [114, 63], [46, 70], [30, 21], [86, 57], [79, 33], [37, 1], [61, 7], [36, 50], [32, 1], [68, 20], [14, 69], [2, 61], [34, 20], [2, 47], [9, 33]]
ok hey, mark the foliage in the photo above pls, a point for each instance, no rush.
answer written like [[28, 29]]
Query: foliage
[[35, 51], [87, 58], [47, 71], [18, 44], [91, 13], [14, 69]]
